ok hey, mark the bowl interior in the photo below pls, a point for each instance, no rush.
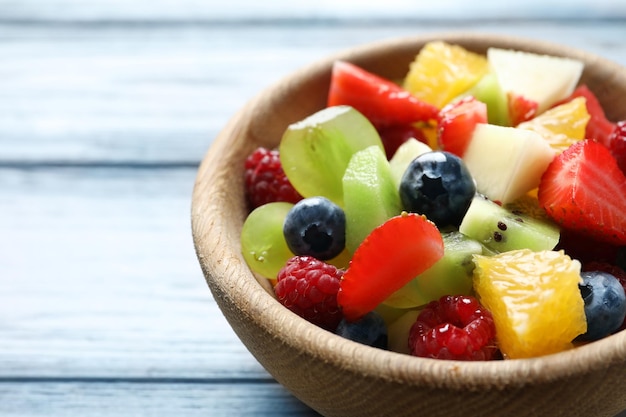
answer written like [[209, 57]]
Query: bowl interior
[[312, 362]]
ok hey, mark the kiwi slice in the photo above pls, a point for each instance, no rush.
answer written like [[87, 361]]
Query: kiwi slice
[[370, 195], [501, 229]]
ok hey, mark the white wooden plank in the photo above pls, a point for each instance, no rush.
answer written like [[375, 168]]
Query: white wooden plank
[[120, 399], [162, 93], [99, 278], [306, 9]]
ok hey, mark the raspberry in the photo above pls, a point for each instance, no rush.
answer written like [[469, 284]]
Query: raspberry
[[308, 287], [265, 179], [617, 144], [454, 327]]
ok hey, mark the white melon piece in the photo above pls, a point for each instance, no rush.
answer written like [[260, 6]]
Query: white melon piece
[[506, 162], [405, 154], [545, 79]]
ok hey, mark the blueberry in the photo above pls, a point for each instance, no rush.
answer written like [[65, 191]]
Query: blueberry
[[605, 304], [370, 330], [438, 185], [315, 227]]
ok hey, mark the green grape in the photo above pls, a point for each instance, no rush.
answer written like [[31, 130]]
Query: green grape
[[315, 152], [398, 331], [262, 241]]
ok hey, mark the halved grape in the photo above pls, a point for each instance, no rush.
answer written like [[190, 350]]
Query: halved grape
[[262, 241], [398, 331], [315, 152]]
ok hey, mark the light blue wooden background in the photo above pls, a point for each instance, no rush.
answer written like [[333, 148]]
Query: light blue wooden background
[[106, 108]]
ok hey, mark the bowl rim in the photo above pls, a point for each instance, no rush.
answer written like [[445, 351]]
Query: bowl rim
[[236, 289]]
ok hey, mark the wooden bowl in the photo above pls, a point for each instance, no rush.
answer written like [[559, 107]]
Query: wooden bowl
[[338, 377]]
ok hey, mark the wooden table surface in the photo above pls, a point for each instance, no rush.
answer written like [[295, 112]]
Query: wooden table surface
[[106, 109]]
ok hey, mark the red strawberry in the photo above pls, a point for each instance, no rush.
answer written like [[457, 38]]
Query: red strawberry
[[456, 123], [394, 136], [584, 190], [617, 144], [383, 102], [392, 255], [521, 108], [599, 127]]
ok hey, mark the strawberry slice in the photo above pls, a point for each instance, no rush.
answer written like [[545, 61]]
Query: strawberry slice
[[584, 190], [383, 102], [456, 123], [598, 127], [521, 109], [392, 255]]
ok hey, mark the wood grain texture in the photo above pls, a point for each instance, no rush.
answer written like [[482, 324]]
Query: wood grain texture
[[338, 371], [147, 398], [159, 93], [103, 299], [306, 10], [112, 288]]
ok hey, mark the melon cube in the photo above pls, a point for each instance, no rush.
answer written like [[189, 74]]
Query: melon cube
[[506, 162], [545, 79]]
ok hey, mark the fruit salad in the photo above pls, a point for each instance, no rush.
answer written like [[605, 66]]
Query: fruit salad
[[473, 210]]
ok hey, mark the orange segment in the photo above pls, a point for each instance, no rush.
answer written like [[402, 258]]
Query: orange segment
[[562, 125], [534, 299], [430, 134], [441, 71]]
